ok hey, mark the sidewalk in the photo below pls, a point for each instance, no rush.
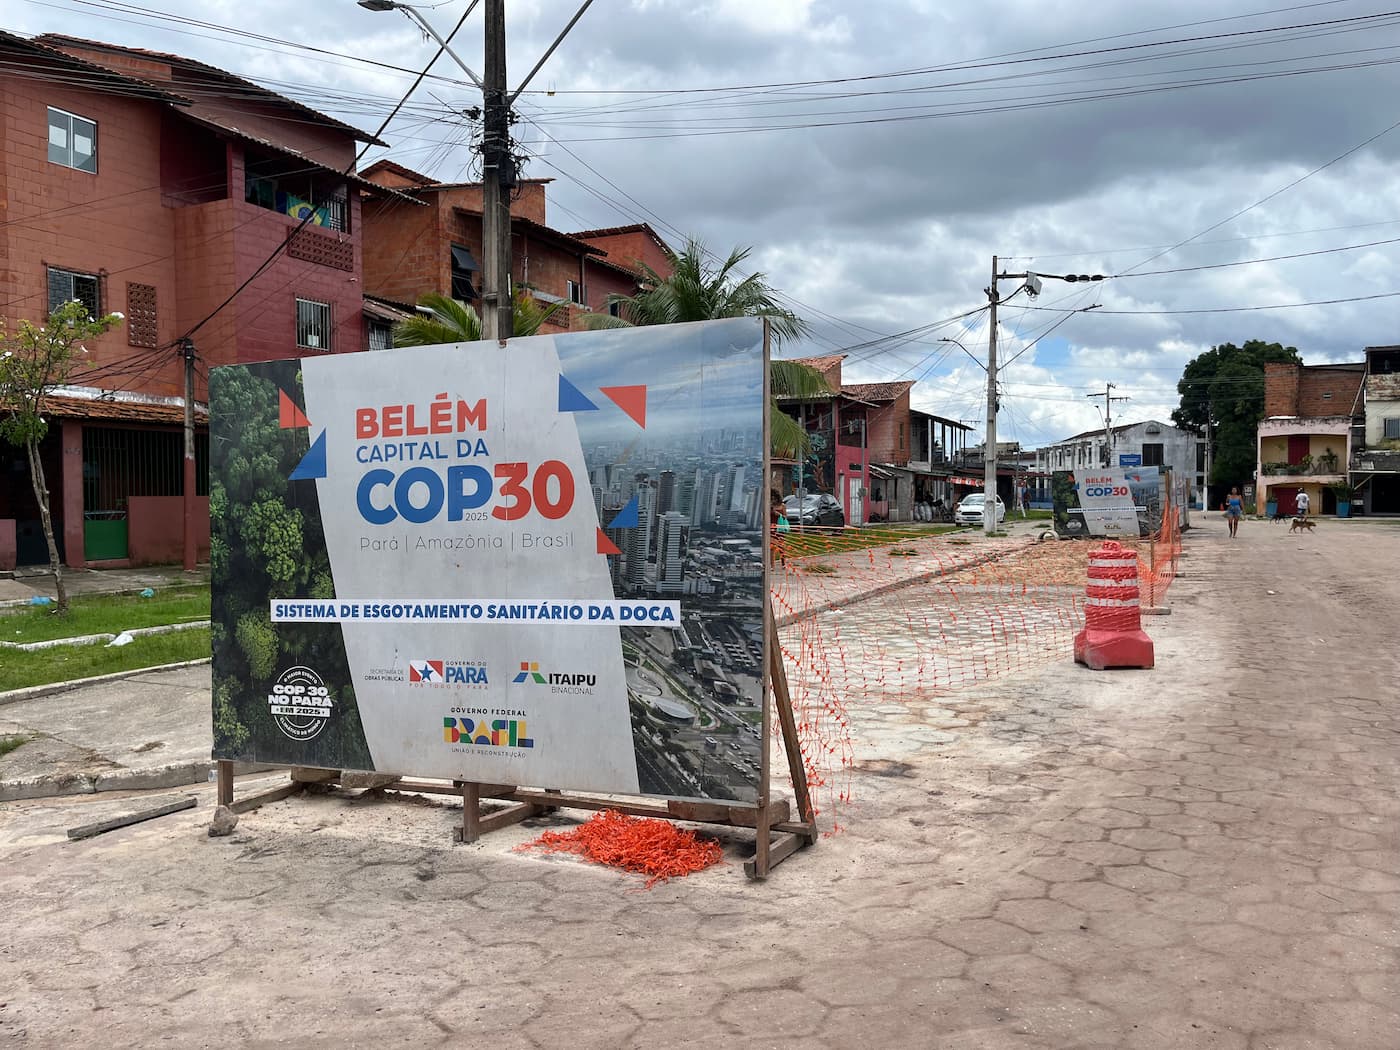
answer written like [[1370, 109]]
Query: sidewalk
[[32, 581], [151, 730]]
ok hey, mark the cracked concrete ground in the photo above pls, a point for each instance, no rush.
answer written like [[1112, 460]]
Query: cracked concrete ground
[[1202, 855]]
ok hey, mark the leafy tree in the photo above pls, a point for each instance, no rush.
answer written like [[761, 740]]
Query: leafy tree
[[452, 321], [1223, 389], [696, 290], [33, 360], [266, 540]]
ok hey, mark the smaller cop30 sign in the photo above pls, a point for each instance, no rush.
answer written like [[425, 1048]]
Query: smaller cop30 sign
[[299, 703]]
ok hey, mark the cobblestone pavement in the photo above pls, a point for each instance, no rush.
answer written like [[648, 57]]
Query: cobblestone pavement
[[1202, 855]]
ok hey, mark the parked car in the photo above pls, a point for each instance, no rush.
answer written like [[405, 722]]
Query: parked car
[[815, 508], [970, 508]]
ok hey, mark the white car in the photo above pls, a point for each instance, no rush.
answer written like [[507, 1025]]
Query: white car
[[969, 510]]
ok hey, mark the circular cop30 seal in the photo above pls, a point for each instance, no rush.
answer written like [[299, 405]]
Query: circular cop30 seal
[[299, 703]]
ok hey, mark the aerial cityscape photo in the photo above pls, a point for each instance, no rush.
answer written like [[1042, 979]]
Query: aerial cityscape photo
[[684, 505]]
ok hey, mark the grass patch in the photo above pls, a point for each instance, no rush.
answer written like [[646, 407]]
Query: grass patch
[[64, 663], [9, 743], [803, 542], [105, 614], [903, 552], [819, 568]]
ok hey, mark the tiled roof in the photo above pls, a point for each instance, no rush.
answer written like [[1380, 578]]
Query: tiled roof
[[416, 178], [102, 77], [821, 364], [545, 232], [877, 391], [121, 411], [57, 40]]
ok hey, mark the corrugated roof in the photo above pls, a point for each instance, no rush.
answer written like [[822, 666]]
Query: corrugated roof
[[121, 411]]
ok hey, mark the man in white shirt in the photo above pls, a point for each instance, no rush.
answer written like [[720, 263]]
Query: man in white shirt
[[1303, 503]]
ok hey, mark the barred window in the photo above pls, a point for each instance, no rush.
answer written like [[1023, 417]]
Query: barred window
[[381, 335], [1392, 428], [313, 324], [67, 285]]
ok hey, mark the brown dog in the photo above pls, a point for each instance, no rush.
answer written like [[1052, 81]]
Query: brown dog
[[1299, 524]]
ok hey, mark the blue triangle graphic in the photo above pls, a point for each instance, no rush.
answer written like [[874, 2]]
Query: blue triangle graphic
[[571, 398], [313, 464], [626, 517]]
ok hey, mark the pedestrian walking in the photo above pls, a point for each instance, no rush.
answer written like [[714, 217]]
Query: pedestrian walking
[[1021, 499], [1234, 510], [1304, 503]]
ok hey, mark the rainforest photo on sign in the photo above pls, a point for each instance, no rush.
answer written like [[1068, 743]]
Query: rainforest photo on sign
[[282, 691]]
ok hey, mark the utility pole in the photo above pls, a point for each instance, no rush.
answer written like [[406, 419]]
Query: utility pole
[[187, 350], [498, 179], [1108, 400], [989, 455], [1031, 284]]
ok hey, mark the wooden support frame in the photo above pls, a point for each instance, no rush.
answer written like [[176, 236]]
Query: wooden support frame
[[778, 832]]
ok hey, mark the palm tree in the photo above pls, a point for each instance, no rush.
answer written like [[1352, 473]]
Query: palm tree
[[450, 320], [699, 291]]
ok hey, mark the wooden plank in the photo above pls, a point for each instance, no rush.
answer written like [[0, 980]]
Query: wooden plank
[[504, 818], [225, 776], [427, 787], [252, 802], [780, 850], [566, 801], [101, 827], [782, 699]]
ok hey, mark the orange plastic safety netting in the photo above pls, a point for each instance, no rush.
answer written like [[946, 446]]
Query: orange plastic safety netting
[[655, 848], [897, 615]]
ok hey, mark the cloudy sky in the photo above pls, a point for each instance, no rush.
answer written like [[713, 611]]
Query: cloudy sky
[[877, 156]]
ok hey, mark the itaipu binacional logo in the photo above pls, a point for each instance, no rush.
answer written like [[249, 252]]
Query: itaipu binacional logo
[[481, 728], [441, 673], [300, 703], [558, 681]]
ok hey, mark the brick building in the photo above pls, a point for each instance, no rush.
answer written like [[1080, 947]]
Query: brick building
[[153, 185], [1305, 439], [413, 251]]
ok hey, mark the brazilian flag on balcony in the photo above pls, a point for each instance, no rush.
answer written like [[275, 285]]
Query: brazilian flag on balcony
[[299, 209]]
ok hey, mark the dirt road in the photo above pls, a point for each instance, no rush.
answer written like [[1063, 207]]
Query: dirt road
[[1202, 855]]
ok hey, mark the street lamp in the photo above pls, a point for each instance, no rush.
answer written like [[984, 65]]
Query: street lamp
[[497, 167], [412, 12], [1030, 284]]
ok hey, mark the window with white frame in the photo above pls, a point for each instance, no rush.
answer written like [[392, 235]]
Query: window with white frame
[[313, 324], [576, 292], [67, 285], [1392, 428], [72, 140]]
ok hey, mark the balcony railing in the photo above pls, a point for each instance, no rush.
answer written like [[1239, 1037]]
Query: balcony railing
[[1326, 465]]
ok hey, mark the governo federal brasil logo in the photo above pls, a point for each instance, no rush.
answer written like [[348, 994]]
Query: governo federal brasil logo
[[478, 727]]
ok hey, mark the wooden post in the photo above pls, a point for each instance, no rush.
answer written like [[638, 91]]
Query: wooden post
[[782, 698], [471, 812], [225, 774]]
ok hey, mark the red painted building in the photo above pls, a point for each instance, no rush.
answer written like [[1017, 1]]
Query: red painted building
[[438, 248], [155, 186]]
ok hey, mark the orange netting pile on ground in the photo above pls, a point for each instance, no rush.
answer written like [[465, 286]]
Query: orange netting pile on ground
[[657, 849], [910, 615]]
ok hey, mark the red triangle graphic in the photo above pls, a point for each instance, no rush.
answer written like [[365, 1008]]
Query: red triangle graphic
[[605, 545], [289, 417], [631, 399]]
